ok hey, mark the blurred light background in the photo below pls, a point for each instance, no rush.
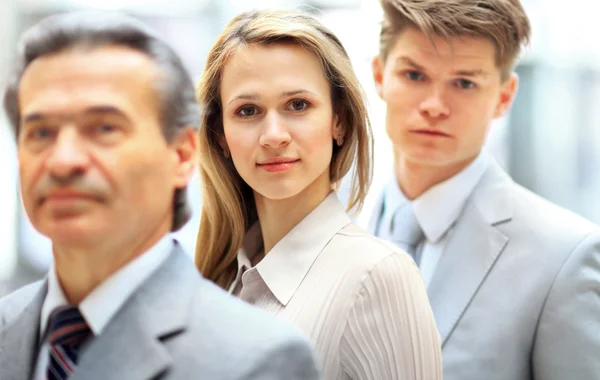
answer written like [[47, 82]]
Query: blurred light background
[[548, 142]]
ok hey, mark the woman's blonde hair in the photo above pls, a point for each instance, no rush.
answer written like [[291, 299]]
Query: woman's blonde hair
[[228, 207]]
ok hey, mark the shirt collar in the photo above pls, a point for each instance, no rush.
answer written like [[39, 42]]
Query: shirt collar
[[251, 246], [283, 268], [438, 208], [98, 307]]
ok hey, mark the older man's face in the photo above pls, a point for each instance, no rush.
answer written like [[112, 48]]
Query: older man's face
[[94, 164]]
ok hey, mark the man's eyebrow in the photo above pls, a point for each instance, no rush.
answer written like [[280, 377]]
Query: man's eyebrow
[[410, 62], [464, 73], [102, 109], [471, 73]]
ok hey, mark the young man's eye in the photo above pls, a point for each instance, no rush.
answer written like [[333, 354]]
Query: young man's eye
[[104, 128], [465, 84], [415, 75]]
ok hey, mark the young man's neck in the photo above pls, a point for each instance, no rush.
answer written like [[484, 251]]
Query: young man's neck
[[80, 269], [415, 178], [278, 217]]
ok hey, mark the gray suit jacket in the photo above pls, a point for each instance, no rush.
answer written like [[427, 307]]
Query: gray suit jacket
[[175, 326], [516, 293]]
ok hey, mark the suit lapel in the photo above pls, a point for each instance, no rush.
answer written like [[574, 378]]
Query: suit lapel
[[19, 339], [125, 350], [472, 250], [132, 345]]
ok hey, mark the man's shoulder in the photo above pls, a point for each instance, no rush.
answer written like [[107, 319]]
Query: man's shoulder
[[177, 289], [13, 304], [238, 322], [530, 216], [223, 326], [537, 215], [533, 225], [212, 309]]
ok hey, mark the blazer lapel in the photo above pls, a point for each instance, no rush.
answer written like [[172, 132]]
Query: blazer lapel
[[132, 345], [19, 338], [474, 247]]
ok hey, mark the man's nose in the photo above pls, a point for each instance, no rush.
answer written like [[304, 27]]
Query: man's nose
[[68, 156]]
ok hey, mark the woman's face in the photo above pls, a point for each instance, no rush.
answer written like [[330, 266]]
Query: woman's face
[[278, 119]]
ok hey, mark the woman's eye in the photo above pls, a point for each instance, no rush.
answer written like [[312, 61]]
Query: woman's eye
[[298, 105], [247, 111]]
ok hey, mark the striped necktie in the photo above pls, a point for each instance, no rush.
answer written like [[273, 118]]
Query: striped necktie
[[67, 332], [406, 231]]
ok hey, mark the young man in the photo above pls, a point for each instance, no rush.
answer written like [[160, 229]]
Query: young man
[[104, 113], [514, 281]]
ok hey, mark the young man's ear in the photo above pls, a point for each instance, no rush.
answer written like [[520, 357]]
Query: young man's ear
[[507, 95], [185, 145], [377, 66]]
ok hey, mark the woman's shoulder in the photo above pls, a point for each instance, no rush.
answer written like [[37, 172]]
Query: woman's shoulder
[[361, 248], [378, 271]]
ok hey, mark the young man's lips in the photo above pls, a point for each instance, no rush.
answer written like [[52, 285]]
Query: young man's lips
[[431, 132]]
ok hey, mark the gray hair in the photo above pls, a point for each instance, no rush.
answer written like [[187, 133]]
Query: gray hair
[[84, 29]]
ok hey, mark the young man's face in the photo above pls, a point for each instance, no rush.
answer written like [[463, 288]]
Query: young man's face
[[441, 97]]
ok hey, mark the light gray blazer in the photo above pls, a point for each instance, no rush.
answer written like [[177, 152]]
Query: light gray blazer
[[175, 326], [516, 293]]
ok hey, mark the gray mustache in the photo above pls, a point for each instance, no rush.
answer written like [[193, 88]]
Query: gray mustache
[[80, 184]]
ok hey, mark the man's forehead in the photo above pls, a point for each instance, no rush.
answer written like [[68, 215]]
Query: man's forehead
[[79, 79], [80, 63], [417, 45]]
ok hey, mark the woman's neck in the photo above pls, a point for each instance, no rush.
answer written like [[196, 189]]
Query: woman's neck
[[278, 217]]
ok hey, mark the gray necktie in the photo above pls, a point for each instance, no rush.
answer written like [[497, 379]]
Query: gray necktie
[[406, 232]]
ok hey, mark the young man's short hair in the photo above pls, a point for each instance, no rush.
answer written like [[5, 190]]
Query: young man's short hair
[[503, 22]]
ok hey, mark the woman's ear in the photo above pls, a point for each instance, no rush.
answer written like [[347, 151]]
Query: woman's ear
[[338, 131], [224, 146]]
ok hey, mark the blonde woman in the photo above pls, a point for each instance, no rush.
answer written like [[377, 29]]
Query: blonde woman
[[285, 119]]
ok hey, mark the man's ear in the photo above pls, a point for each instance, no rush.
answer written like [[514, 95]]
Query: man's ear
[[377, 67], [185, 146], [507, 95]]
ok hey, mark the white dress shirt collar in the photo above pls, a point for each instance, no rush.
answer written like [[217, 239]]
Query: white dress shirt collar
[[288, 262], [438, 208], [106, 299]]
